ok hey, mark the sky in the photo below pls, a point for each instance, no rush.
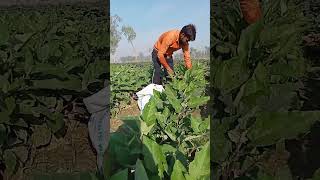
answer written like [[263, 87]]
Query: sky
[[151, 18]]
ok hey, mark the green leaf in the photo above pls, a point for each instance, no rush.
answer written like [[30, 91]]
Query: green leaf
[[49, 102], [48, 69], [3, 135], [198, 101], [145, 129], [121, 175], [161, 117], [154, 160], [10, 160], [171, 133], [28, 64], [316, 175], [140, 172], [221, 146], [4, 83], [284, 173], [271, 127], [10, 104], [264, 176], [166, 148], [23, 37], [4, 117], [195, 123], [56, 122], [55, 84], [222, 49], [4, 33], [248, 38], [199, 168], [178, 171], [74, 63], [230, 75], [43, 53], [120, 149], [148, 113], [93, 71], [172, 98]]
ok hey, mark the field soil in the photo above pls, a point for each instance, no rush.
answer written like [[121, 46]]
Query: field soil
[[70, 154]]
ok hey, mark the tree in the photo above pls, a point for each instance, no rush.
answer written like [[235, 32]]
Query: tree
[[129, 33], [115, 35]]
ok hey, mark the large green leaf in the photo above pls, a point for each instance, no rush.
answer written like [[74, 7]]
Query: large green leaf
[[198, 101], [282, 173], [155, 160], [4, 117], [11, 162], [43, 53], [74, 63], [121, 150], [140, 172], [230, 75], [56, 122], [48, 69], [3, 135], [220, 144], [195, 123], [121, 175], [93, 71], [178, 171], [23, 37], [199, 168], [28, 61], [172, 98], [316, 175], [248, 38], [149, 112], [271, 127], [55, 84], [4, 33], [10, 104]]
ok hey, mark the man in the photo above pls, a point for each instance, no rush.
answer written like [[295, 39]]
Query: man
[[251, 10], [168, 43]]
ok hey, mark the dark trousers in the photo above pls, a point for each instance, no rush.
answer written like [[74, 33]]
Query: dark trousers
[[157, 72]]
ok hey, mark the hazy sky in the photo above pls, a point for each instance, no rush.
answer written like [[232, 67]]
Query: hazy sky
[[150, 18]]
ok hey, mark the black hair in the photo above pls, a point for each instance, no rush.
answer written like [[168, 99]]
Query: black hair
[[190, 31]]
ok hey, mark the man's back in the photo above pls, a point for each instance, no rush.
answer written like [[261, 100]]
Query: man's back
[[170, 38]]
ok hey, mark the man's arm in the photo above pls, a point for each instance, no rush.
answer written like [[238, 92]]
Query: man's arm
[[162, 50], [186, 55]]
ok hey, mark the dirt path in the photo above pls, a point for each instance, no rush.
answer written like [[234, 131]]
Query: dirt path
[[70, 154]]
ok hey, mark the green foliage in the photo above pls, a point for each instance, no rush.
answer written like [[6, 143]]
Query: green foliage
[[256, 79], [167, 140], [126, 79], [46, 54]]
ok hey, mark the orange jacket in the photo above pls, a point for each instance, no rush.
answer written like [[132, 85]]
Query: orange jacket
[[167, 43]]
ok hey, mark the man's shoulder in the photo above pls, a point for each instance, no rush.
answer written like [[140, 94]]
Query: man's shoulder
[[173, 32]]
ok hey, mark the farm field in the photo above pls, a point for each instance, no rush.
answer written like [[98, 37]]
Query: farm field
[[265, 81], [171, 136], [50, 60]]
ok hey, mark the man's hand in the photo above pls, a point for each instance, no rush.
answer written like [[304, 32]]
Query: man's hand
[[170, 73]]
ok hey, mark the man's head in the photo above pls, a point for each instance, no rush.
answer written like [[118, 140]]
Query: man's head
[[188, 33]]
